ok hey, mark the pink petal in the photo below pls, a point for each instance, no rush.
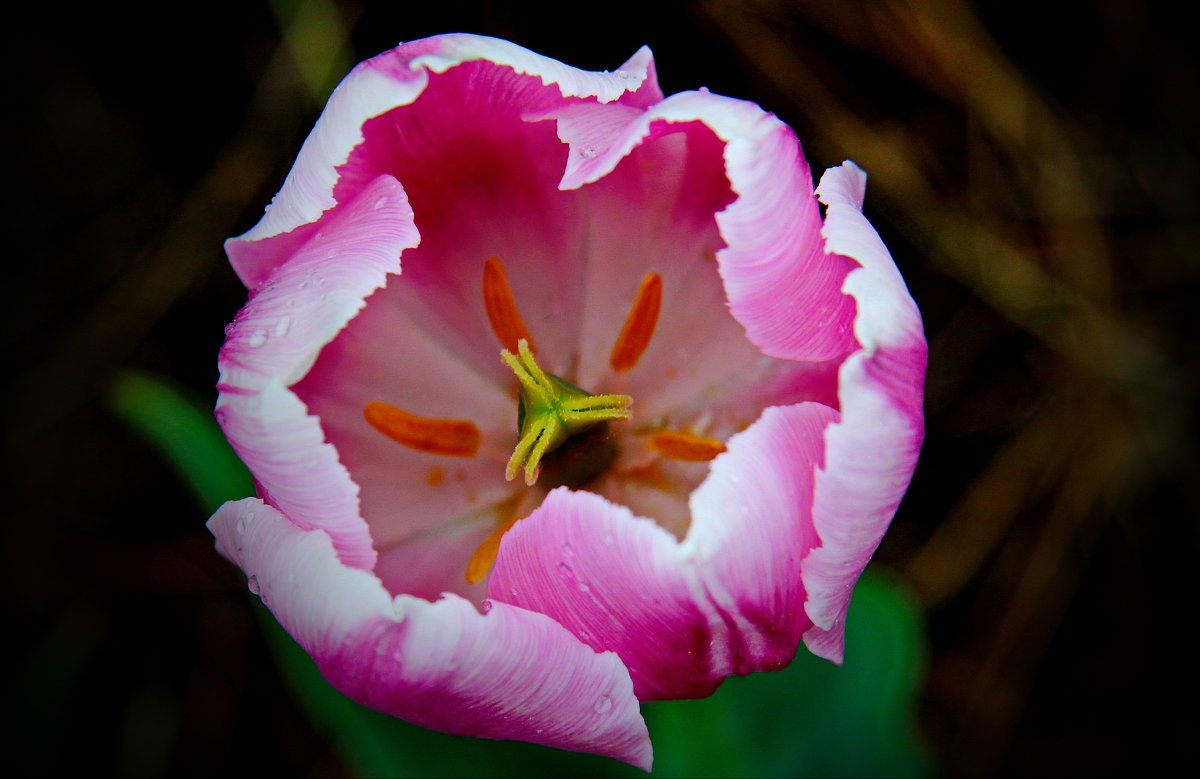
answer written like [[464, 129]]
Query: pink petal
[[682, 616], [396, 78], [294, 469], [619, 583], [784, 290], [752, 527], [506, 674], [307, 301], [871, 453], [274, 341]]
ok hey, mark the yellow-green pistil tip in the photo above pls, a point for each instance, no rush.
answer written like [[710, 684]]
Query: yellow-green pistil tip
[[553, 412]]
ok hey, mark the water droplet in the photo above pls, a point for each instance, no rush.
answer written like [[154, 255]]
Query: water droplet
[[252, 584], [568, 552], [249, 516], [282, 326], [623, 74], [566, 572], [587, 152], [512, 591], [323, 296], [486, 606], [241, 525], [229, 328], [259, 338], [582, 585], [704, 90], [603, 704], [380, 203]]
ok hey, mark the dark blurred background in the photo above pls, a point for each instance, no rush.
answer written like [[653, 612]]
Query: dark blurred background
[[1032, 167]]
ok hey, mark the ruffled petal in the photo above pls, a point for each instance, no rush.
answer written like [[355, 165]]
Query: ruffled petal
[[619, 583], [274, 341], [682, 617], [780, 285], [307, 301], [392, 79], [294, 469], [872, 451], [506, 674], [751, 528]]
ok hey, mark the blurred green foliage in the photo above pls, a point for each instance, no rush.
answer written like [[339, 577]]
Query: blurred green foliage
[[810, 719]]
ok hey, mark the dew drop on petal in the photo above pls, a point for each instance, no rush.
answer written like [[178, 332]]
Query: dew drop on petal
[[380, 203], [566, 572], [241, 525], [603, 704], [486, 606], [259, 338], [252, 585], [282, 326], [587, 152]]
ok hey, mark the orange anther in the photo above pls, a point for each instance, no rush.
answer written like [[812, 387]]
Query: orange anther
[[502, 307], [682, 446], [453, 437], [639, 325], [481, 562]]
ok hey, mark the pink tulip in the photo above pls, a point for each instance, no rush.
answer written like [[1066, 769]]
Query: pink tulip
[[759, 369]]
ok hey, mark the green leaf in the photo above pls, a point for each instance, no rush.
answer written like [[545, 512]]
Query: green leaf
[[179, 424]]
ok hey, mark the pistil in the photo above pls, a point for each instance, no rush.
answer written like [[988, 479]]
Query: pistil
[[551, 411]]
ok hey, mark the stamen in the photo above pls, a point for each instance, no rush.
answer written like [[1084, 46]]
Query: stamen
[[480, 564], [484, 557], [639, 325], [452, 437], [502, 307], [551, 412], [686, 447]]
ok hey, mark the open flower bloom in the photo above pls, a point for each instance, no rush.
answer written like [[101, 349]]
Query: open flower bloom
[[560, 395]]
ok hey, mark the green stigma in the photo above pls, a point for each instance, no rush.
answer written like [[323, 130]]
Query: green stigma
[[552, 411]]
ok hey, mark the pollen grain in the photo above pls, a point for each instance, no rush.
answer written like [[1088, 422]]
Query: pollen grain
[[501, 306], [451, 437], [639, 325]]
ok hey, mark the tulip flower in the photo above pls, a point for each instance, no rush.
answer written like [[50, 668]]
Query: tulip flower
[[560, 395]]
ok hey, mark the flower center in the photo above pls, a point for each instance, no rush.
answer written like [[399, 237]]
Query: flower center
[[564, 436]]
